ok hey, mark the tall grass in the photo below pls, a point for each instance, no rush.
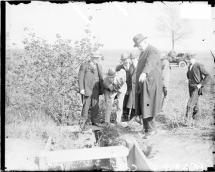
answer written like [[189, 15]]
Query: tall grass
[[35, 124], [178, 95]]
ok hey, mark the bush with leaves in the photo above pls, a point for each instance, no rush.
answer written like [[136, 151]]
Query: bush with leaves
[[44, 76]]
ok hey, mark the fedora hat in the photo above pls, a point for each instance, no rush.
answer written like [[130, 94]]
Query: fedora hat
[[138, 39], [123, 58], [111, 73]]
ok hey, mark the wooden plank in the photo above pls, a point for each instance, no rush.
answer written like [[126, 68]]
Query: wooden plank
[[84, 154]]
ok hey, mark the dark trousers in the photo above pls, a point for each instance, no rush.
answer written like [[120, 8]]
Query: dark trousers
[[192, 105], [148, 124], [90, 108], [125, 109]]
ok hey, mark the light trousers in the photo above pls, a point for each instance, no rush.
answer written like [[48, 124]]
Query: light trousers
[[109, 99], [120, 97]]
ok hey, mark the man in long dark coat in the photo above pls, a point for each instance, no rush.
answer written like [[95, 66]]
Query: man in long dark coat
[[90, 79], [148, 89]]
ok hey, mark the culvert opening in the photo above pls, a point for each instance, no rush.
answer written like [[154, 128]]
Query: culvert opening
[[70, 140], [109, 151]]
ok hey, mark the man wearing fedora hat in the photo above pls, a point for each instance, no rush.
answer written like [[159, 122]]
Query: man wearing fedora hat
[[197, 77], [131, 99], [125, 64], [148, 88], [90, 78]]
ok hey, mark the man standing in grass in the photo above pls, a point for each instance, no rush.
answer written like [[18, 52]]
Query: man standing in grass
[[148, 88], [197, 77], [90, 79]]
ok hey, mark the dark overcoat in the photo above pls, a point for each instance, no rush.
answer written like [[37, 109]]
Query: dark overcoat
[[128, 75], [90, 80], [148, 94]]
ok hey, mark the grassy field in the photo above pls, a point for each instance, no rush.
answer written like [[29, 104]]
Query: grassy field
[[175, 105], [174, 108], [112, 57], [177, 146]]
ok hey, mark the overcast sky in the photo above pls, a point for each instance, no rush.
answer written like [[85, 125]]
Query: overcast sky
[[113, 24]]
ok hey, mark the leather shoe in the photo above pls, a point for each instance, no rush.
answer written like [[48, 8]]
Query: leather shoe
[[149, 134]]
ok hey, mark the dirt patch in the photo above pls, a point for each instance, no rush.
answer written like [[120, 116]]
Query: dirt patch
[[177, 151], [180, 153], [181, 149], [19, 153], [73, 140]]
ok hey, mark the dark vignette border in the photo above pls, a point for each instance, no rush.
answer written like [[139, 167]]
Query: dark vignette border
[[2, 62], [210, 2]]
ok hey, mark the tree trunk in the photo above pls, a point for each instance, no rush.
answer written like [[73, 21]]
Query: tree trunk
[[213, 55], [173, 41]]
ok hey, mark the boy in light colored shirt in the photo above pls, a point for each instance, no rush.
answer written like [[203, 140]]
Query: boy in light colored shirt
[[109, 93], [114, 86], [120, 82]]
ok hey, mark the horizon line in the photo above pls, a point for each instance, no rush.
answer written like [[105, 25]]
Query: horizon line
[[130, 49]]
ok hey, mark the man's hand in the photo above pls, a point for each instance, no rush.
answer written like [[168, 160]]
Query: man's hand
[[82, 92], [199, 86], [142, 77], [164, 91]]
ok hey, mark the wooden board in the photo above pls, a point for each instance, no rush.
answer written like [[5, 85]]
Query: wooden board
[[73, 155], [84, 154], [136, 158]]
